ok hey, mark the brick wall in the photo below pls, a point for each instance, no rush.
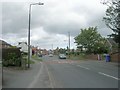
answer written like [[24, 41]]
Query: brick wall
[[92, 56], [115, 57]]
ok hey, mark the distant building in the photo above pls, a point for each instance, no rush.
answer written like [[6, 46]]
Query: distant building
[[4, 44], [24, 47], [43, 51], [34, 50]]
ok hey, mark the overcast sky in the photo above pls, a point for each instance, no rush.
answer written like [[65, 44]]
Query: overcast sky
[[51, 22]]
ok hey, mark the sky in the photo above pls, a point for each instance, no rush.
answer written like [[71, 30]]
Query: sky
[[51, 22]]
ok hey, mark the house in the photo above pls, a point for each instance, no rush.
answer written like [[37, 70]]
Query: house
[[24, 47], [113, 49], [44, 52], [4, 44], [34, 50], [113, 46]]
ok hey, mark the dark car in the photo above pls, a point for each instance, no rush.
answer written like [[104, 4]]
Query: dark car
[[62, 56]]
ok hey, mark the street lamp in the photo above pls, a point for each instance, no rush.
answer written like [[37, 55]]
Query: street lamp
[[69, 43], [29, 31]]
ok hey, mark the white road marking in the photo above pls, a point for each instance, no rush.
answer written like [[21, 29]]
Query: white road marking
[[83, 67], [108, 75]]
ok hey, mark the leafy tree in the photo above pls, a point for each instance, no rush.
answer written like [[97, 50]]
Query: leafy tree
[[61, 50], [90, 39], [112, 18]]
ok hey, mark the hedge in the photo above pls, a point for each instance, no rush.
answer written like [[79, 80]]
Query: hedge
[[11, 57]]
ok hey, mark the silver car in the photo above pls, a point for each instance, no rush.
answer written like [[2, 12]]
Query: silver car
[[62, 56], [50, 55]]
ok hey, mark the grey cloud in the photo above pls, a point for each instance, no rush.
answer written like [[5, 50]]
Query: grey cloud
[[15, 18], [52, 17]]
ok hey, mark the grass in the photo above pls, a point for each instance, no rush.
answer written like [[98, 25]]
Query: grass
[[32, 62], [36, 58], [77, 57], [26, 59]]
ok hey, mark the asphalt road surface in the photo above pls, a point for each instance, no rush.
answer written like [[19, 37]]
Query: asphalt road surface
[[63, 73]]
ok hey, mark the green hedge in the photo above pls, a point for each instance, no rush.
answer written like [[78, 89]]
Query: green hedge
[[11, 57]]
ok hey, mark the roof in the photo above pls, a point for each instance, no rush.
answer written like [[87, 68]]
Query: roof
[[112, 42], [22, 42], [4, 43]]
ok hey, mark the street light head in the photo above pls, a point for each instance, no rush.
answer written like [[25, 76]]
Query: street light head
[[40, 3]]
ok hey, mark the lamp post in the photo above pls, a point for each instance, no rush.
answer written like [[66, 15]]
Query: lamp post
[[69, 43], [29, 30]]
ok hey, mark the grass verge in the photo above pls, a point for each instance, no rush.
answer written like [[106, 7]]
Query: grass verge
[[36, 58], [77, 57], [26, 60]]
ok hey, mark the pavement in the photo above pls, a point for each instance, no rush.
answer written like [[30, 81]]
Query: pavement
[[0, 77], [35, 77], [63, 73]]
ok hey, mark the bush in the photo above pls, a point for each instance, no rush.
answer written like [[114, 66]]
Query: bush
[[11, 57]]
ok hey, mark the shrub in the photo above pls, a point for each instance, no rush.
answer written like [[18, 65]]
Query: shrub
[[11, 57]]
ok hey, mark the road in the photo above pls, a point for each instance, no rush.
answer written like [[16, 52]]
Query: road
[[64, 73], [81, 74]]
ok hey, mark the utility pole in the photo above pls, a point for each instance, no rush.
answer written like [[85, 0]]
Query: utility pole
[[52, 48], [29, 37], [69, 43]]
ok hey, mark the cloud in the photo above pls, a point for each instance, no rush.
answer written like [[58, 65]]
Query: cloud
[[52, 21]]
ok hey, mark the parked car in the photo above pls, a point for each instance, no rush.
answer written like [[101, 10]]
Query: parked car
[[50, 55], [62, 56]]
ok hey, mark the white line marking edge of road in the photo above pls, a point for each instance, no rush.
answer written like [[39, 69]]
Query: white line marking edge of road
[[83, 67], [108, 75]]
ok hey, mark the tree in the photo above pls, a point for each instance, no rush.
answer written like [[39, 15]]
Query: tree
[[112, 18], [90, 39]]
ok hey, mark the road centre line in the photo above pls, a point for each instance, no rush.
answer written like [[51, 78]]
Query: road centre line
[[83, 67], [108, 75]]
